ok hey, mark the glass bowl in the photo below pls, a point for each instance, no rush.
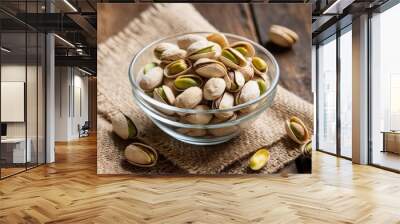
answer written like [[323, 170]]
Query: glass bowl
[[202, 134]]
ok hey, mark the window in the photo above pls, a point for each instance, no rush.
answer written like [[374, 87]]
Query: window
[[385, 89], [346, 75], [327, 96]]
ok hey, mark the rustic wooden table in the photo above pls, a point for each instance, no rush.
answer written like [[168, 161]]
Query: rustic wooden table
[[249, 20]]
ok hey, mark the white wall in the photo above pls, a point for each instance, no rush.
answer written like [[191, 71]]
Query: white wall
[[69, 82]]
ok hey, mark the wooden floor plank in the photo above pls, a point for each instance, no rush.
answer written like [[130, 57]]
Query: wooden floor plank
[[70, 191]]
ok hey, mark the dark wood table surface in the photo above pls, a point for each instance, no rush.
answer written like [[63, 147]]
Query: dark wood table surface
[[249, 20]]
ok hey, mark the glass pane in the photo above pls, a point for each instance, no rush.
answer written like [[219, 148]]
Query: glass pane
[[346, 94], [31, 98], [13, 87], [385, 84], [41, 98], [327, 97]]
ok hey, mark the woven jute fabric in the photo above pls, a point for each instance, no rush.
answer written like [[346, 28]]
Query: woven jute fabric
[[115, 96]]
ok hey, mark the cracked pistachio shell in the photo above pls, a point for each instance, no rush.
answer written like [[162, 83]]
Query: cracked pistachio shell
[[161, 47], [189, 98], [193, 132], [232, 58], [245, 48], [170, 83], [306, 149], [186, 81], [151, 79], [226, 101], [171, 55], [247, 71], [164, 94], [225, 130], [250, 91], [260, 66], [141, 155], [203, 49], [209, 68], [259, 159], [185, 41], [214, 88], [219, 38], [198, 118], [297, 130], [123, 126], [234, 81], [177, 68]]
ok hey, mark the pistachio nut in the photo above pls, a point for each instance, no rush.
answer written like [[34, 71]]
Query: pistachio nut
[[123, 126], [214, 88], [250, 91], [306, 149], [198, 118], [234, 81], [193, 132], [259, 159], [218, 38], [170, 84], [297, 130], [245, 48], [141, 155], [151, 79], [209, 68], [161, 47], [186, 81], [185, 41], [247, 71], [164, 94], [226, 101], [189, 98], [203, 49], [282, 36], [171, 55], [259, 65], [234, 129], [177, 68], [232, 58], [262, 85]]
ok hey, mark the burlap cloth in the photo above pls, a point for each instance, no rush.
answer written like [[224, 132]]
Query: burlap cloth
[[114, 94]]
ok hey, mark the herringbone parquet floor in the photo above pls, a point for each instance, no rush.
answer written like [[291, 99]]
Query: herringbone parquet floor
[[69, 191]]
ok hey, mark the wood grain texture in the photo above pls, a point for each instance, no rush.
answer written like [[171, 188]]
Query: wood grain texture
[[295, 63], [69, 191]]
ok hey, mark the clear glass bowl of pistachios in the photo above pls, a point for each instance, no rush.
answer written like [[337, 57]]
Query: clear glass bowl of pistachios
[[203, 88]]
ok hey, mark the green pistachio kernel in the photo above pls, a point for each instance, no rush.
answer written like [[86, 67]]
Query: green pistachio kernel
[[230, 56], [184, 83], [205, 50], [161, 93], [259, 64], [242, 50], [262, 86], [177, 67], [298, 130], [259, 159], [148, 67]]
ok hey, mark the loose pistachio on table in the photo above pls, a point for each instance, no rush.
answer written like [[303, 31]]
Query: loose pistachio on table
[[123, 126], [259, 159], [141, 155], [297, 130], [306, 149], [282, 36]]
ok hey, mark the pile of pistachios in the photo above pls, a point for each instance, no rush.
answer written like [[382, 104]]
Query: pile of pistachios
[[205, 72]]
